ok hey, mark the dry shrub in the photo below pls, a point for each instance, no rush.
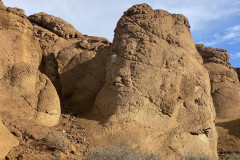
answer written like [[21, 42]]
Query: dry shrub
[[55, 142], [119, 153], [233, 156]]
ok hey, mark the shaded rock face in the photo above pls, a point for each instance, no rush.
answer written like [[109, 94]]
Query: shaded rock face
[[157, 93], [238, 72], [224, 81], [25, 93], [75, 63]]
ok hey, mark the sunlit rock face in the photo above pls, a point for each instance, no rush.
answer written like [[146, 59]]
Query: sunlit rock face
[[147, 89], [157, 93], [25, 93], [225, 86]]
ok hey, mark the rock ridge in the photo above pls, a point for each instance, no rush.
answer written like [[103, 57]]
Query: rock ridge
[[215, 55], [152, 57], [56, 25]]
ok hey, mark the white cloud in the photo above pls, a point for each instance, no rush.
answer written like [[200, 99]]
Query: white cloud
[[235, 56], [201, 13], [85, 15], [229, 35]]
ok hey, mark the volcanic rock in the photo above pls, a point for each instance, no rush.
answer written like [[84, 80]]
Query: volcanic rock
[[157, 93], [225, 88]]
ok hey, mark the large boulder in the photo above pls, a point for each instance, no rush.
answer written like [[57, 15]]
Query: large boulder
[[25, 93], [75, 63], [157, 93], [225, 86]]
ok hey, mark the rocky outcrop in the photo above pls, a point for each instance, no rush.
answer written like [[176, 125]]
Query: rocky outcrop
[[225, 88], [56, 25], [20, 59], [147, 90], [75, 63], [26, 95], [157, 93]]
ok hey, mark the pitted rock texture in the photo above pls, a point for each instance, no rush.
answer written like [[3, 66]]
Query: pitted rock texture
[[56, 25], [17, 11], [26, 95], [215, 55], [157, 93], [24, 91], [225, 88], [76, 66]]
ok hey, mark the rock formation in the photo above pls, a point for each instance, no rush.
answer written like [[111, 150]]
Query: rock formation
[[75, 63], [157, 93], [225, 88], [25, 93], [56, 25], [148, 89]]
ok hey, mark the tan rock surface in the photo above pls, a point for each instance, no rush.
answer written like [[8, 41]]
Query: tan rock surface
[[224, 80], [157, 93], [56, 25], [2, 7], [76, 66], [7, 141], [26, 95], [21, 82], [148, 88]]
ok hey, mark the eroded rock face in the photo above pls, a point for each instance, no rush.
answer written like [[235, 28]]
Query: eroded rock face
[[22, 85], [75, 64], [26, 95], [224, 80], [157, 93], [56, 25]]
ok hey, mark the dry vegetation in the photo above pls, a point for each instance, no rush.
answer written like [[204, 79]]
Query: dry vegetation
[[119, 153]]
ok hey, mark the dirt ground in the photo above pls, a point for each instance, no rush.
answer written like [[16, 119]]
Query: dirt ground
[[228, 137], [67, 140], [71, 138]]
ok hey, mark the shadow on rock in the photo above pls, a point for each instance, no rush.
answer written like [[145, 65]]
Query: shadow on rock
[[232, 127]]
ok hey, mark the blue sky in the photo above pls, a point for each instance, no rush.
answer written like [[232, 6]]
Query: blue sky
[[215, 23]]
